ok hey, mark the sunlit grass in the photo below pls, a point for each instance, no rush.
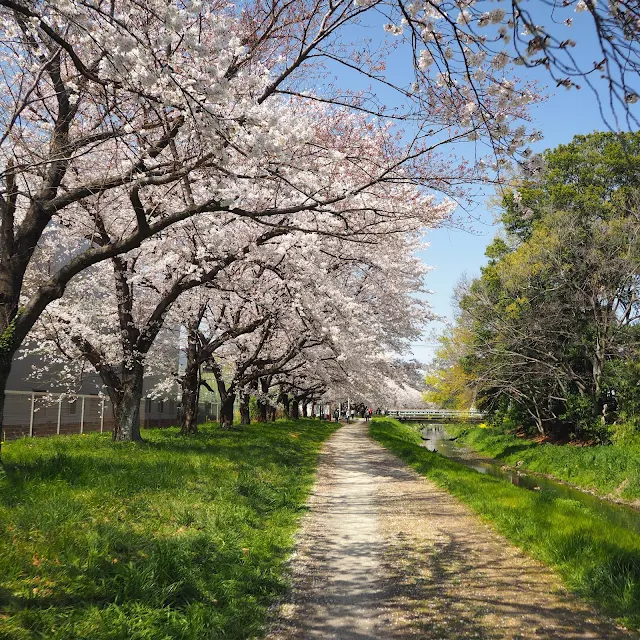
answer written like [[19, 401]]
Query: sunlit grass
[[596, 558], [602, 468], [173, 538]]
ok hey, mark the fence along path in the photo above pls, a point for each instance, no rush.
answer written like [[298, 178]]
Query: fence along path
[[41, 413]]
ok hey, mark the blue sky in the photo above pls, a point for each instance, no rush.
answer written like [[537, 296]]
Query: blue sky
[[564, 114], [452, 252]]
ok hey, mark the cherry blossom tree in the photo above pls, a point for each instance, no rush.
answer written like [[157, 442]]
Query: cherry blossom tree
[[335, 313], [131, 297], [237, 303], [195, 252], [92, 118], [579, 43], [184, 110], [205, 336]]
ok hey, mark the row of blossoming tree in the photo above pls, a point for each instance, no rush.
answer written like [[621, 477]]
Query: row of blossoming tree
[[253, 178]]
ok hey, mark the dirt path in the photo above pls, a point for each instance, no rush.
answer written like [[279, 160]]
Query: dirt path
[[384, 553]]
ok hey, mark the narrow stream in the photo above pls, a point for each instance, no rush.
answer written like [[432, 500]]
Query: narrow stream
[[436, 439]]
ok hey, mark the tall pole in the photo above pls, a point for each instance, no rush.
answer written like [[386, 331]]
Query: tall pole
[[59, 414], [33, 402], [82, 415]]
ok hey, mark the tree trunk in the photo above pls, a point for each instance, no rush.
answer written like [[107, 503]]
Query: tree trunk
[[226, 410], [245, 415], [597, 367], [538, 419], [305, 410], [262, 410], [286, 403], [190, 395], [8, 348], [126, 405], [263, 405], [295, 409], [272, 413]]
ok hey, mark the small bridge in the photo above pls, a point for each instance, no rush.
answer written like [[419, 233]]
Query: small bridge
[[436, 415]]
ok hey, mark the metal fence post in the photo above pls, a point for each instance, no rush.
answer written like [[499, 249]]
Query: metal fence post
[[82, 416], [102, 415], [33, 403], [59, 414]]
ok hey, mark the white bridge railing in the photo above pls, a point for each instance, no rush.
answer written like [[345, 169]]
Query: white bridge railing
[[416, 414]]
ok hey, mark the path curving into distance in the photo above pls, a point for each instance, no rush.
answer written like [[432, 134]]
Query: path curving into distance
[[383, 553]]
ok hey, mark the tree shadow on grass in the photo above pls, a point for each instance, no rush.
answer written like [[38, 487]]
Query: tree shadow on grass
[[119, 477], [599, 560], [217, 551], [163, 462], [157, 572]]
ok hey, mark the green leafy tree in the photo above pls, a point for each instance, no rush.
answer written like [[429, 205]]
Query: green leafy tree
[[448, 383], [592, 176], [553, 316]]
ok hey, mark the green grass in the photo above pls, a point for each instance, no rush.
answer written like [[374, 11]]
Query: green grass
[[595, 558], [173, 538], [602, 468]]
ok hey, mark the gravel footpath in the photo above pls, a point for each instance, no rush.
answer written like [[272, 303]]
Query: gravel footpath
[[384, 553]]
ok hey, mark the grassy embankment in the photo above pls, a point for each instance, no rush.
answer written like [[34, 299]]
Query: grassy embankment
[[595, 558], [174, 538], [604, 469]]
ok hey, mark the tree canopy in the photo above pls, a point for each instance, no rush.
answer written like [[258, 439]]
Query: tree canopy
[[551, 324], [147, 148]]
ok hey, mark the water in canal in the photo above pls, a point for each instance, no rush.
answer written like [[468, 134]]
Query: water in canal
[[436, 439]]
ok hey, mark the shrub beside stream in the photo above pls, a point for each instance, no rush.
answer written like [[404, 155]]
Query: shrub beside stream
[[612, 470]]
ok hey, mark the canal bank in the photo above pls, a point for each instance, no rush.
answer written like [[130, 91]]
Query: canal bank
[[439, 438], [611, 472], [596, 557]]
